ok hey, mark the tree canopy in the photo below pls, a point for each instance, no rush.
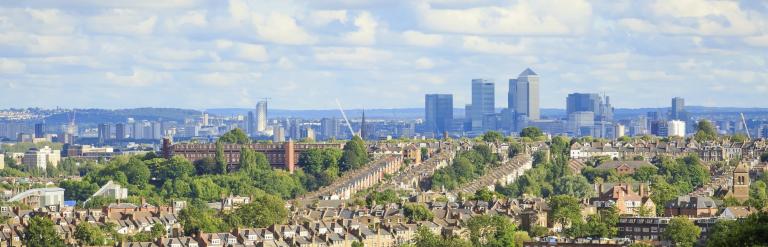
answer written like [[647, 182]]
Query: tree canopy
[[41, 233], [235, 136], [705, 131], [531, 132], [355, 154], [682, 232], [264, 211]]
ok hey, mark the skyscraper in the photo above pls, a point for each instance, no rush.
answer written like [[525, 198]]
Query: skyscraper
[[105, 132], [330, 128], [678, 109], [582, 102], [523, 95], [250, 125], [438, 112], [483, 102], [603, 110], [120, 131], [261, 116], [39, 130]]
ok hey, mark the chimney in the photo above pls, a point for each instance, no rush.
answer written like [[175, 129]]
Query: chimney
[[290, 159], [643, 192]]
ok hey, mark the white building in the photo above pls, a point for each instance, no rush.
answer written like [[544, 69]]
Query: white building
[[111, 190], [2, 161], [676, 128], [620, 130], [40, 158], [39, 198], [261, 116]]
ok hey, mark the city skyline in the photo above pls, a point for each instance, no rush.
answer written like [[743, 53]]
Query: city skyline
[[375, 54]]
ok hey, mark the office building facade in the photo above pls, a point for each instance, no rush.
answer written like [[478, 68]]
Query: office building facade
[[483, 102], [438, 113], [677, 112], [523, 95], [261, 116]]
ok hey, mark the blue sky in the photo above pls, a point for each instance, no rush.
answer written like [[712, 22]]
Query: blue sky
[[377, 53]]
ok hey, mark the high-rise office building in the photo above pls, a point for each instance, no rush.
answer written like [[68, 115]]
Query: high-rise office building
[[583, 102], [524, 94], [157, 131], [279, 135], [677, 112], [330, 127], [120, 131], [581, 123], [676, 128], [438, 113], [603, 110], [261, 116], [138, 130], [483, 102], [105, 132], [250, 125], [39, 130]]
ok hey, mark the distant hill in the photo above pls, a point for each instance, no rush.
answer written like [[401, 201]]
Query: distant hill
[[94, 116]]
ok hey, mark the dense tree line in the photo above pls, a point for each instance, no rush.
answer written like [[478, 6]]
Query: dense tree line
[[466, 166]]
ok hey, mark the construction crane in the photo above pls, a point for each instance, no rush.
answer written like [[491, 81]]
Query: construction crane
[[344, 115], [746, 129]]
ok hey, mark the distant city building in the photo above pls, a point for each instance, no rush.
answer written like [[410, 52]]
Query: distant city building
[[620, 130], [523, 95], [581, 123], [105, 132], [261, 116], [438, 113], [279, 135], [329, 127], [676, 128], [157, 131], [677, 112], [38, 159], [39, 130], [250, 125], [120, 131], [483, 102], [590, 102]]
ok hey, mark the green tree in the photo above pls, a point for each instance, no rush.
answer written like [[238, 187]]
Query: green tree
[[491, 231], [764, 157], [247, 160], [417, 212], [575, 185], [493, 136], [531, 132], [747, 232], [682, 232], [265, 210], [221, 159], [41, 233], [197, 218], [565, 209], [207, 165], [645, 173], [355, 154], [78, 190], [357, 244], [157, 231], [235, 136], [88, 234], [705, 131]]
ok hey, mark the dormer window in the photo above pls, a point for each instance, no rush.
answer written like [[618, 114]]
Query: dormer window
[[216, 241], [251, 237]]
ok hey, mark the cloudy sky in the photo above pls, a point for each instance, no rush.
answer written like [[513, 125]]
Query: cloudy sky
[[377, 53]]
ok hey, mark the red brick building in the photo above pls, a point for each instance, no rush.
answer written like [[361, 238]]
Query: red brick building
[[280, 155]]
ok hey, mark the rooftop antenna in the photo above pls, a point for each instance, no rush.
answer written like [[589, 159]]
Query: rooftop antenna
[[344, 115]]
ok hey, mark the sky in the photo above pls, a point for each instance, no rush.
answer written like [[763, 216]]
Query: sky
[[377, 53]]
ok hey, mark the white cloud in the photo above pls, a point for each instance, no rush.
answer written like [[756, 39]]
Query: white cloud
[[352, 57], [761, 41], [480, 44], [417, 38], [695, 17], [324, 17], [139, 77], [9, 66], [523, 18], [282, 29], [424, 63], [251, 52], [366, 30], [227, 79], [123, 22]]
